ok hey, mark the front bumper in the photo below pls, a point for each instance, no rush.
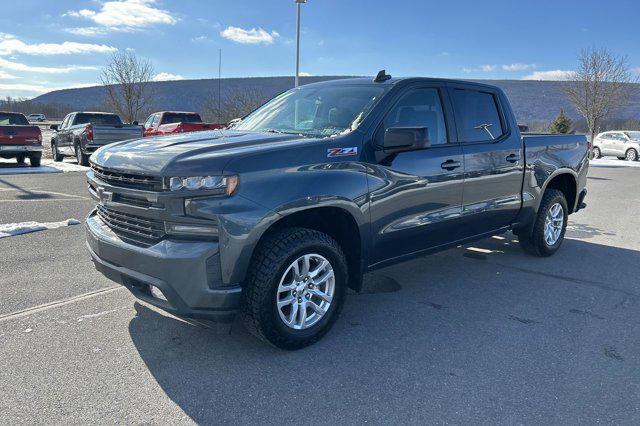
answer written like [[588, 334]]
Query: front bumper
[[180, 269]]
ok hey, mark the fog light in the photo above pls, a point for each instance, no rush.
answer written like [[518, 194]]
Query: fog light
[[157, 293]]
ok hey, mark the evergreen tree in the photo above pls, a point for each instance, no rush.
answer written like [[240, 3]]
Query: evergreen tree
[[562, 124]]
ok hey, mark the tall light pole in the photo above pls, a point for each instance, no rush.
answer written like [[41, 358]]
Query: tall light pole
[[298, 3]]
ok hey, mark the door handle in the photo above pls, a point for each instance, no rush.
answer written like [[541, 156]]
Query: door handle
[[513, 158], [450, 165]]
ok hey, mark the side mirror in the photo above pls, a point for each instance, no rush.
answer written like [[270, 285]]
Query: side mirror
[[233, 122], [54, 127], [402, 139]]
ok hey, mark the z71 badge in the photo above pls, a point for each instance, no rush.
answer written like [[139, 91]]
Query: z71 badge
[[342, 152]]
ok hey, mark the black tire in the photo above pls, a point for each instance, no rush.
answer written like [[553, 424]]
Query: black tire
[[35, 159], [83, 159], [631, 155], [621, 158], [54, 152], [596, 152], [534, 243], [273, 257], [20, 159]]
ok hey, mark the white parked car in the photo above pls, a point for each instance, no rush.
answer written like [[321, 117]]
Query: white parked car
[[36, 117], [623, 144]]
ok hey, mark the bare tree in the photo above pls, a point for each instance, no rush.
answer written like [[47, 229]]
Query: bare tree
[[599, 86], [126, 81], [237, 104]]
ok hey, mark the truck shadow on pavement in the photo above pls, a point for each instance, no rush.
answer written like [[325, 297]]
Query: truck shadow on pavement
[[454, 336]]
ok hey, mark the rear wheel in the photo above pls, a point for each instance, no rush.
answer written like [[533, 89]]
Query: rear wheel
[[295, 288], [549, 227], [20, 159], [35, 159], [596, 152], [83, 159], [631, 155]]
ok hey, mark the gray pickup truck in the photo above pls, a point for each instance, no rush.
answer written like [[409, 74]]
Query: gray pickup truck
[[82, 133], [278, 216]]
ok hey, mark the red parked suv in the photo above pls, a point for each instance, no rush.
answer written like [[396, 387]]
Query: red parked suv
[[19, 139], [169, 122]]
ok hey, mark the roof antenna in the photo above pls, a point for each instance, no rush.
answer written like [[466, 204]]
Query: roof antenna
[[381, 77]]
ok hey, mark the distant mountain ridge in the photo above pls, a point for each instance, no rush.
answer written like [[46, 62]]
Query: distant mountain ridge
[[532, 101]]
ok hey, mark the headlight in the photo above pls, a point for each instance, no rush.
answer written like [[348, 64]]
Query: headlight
[[225, 184]]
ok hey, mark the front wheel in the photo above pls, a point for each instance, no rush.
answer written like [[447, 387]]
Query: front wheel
[[596, 152], [295, 288], [20, 159], [631, 155], [549, 227], [55, 153]]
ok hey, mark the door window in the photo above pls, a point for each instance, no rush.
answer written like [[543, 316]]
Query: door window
[[65, 122], [477, 116], [419, 108], [147, 123]]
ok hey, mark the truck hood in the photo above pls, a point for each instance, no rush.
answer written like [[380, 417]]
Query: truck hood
[[195, 154]]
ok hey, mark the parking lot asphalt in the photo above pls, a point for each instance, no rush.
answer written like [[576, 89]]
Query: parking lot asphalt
[[477, 334]]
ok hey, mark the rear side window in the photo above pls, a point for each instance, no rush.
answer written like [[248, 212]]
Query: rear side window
[[97, 119], [477, 116], [12, 119], [171, 117], [419, 108]]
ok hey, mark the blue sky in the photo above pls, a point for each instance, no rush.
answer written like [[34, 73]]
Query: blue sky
[[47, 45]]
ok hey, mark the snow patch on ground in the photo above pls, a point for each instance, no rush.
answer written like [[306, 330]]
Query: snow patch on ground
[[12, 229], [613, 162], [9, 167]]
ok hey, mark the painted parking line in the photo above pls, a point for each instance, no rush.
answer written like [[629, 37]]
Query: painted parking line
[[57, 303]]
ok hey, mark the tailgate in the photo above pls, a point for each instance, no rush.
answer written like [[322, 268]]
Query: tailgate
[[20, 135], [103, 135]]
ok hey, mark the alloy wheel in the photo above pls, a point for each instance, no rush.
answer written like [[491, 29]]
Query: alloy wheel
[[553, 224], [305, 291]]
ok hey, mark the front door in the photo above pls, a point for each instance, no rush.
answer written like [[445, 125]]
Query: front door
[[493, 159], [416, 196]]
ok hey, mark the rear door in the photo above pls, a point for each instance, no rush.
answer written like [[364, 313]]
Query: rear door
[[493, 158], [416, 196]]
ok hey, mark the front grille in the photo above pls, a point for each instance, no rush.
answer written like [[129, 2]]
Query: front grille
[[134, 229], [128, 180]]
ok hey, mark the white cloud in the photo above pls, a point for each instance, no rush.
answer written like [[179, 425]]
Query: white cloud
[[252, 36], [305, 74], [166, 76], [17, 66], [201, 39], [126, 14], [517, 67], [487, 68], [9, 44], [6, 76], [87, 31], [555, 75]]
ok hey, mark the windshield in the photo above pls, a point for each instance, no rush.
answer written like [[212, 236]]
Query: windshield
[[315, 111], [634, 135], [12, 119], [98, 119]]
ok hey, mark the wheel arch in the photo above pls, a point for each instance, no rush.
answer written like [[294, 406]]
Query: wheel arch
[[338, 222], [566, 181]]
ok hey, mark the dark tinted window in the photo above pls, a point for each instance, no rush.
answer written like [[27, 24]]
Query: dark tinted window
[[171, 117], [477, 116], [13, 119], [98, 119], [420, 108]]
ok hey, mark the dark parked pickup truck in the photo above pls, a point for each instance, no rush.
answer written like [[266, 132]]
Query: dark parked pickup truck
[[276, 218], [81, 133]]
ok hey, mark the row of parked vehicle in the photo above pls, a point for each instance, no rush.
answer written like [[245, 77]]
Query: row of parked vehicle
[[82, 133]]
